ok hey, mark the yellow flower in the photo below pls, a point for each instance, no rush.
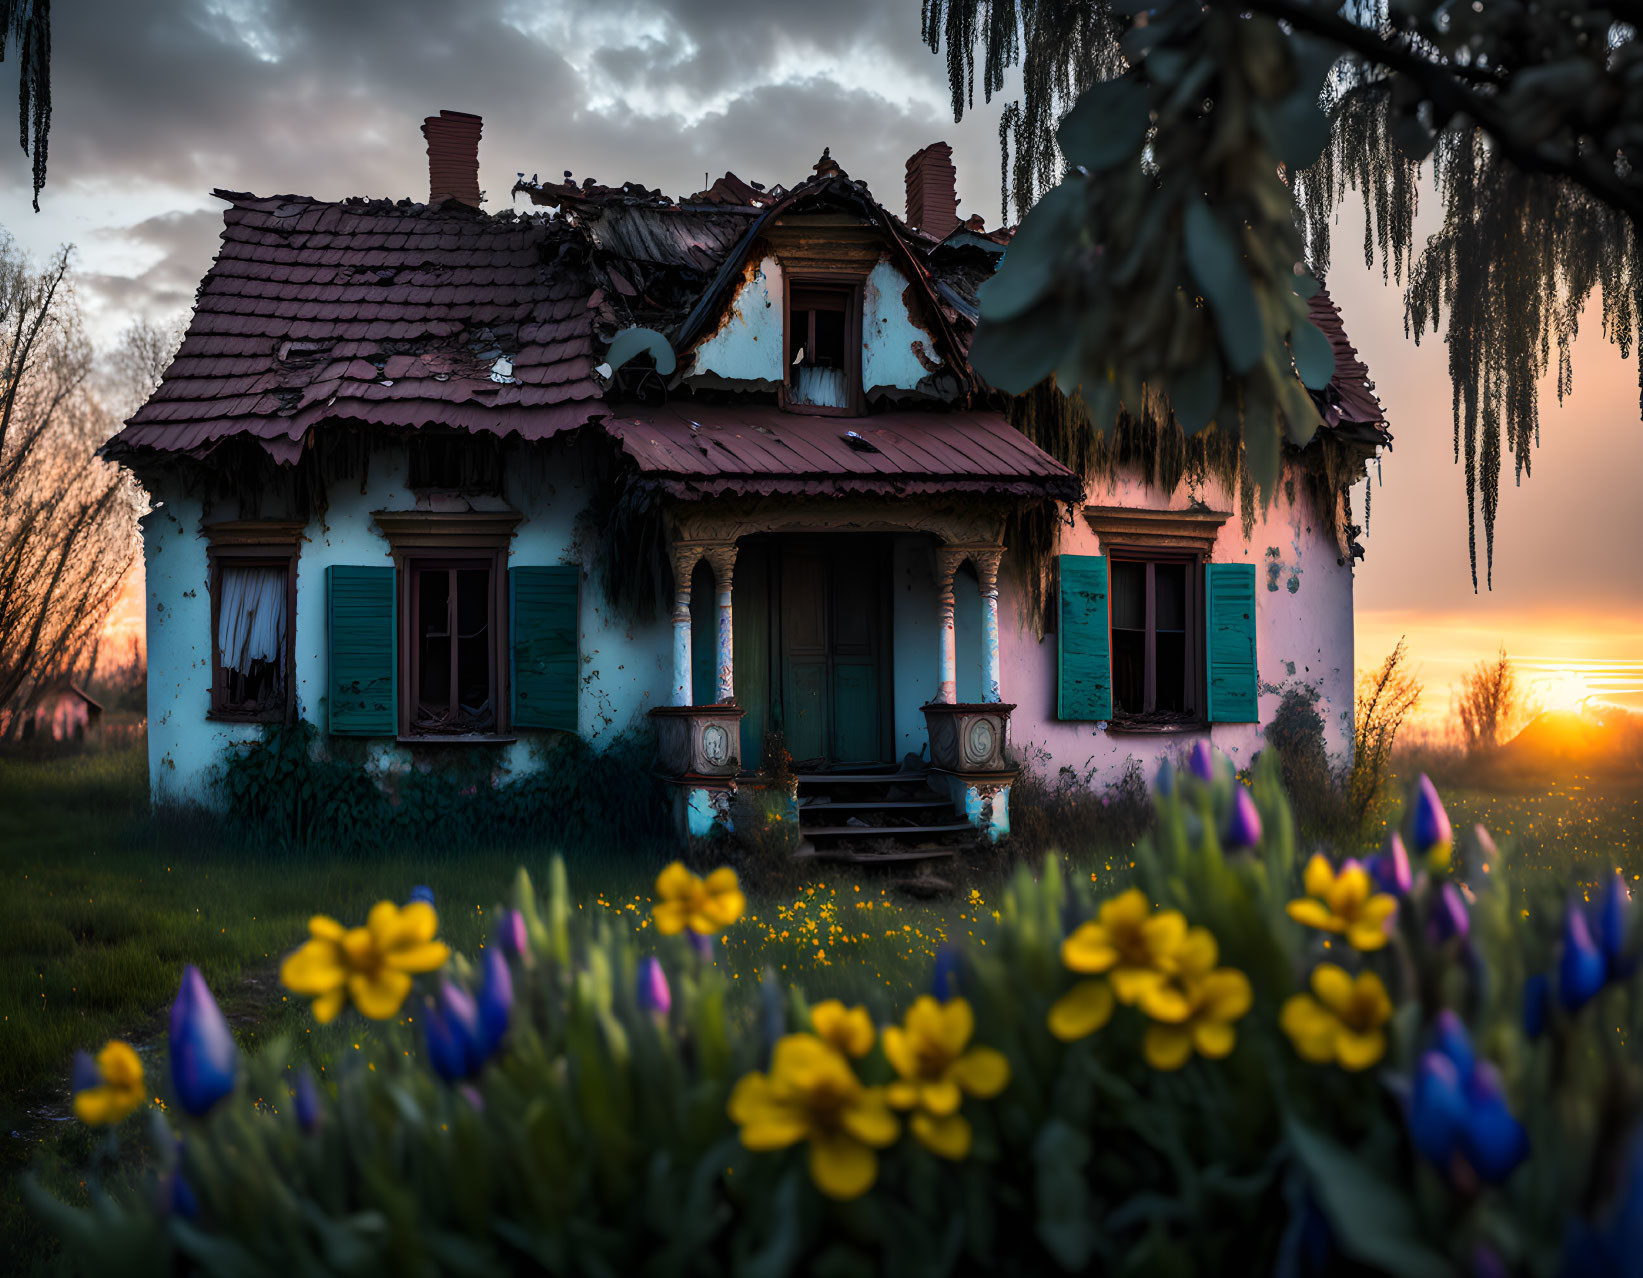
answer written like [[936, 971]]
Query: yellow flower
[[849, 1030], [703, 905], [119, 1092], [1344, 903], [812, 1094], [1129, 942], [1194, 1006], [1342, 1020], [1082, 1010], [372, 965], [929, 1053]]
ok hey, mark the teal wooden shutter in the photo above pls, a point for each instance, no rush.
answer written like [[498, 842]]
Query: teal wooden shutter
[[1084, 685], [361, 700], [542, 603], [1229, 617]]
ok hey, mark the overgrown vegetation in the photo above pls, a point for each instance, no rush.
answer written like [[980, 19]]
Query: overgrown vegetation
[[294, 788], [1489, 703]]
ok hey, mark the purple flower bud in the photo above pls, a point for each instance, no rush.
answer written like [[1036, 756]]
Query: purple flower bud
[[1244, 825], [421, 892], [1429, 829], [1493, 1141], [944, 976], [183, 1201], [1580, 970], [1201, 762], [702, 943], [1486, 1262], [1448, 919], [512, 936], [1486, 844], [495, 1004], [86, 1074], [654, 995], [1437, 1109], [1610, 924], [1536, 1003], [1165, 784], [1450, 1039], [450, 1025], [1390, 869], [309, 1110], [203, 1053]]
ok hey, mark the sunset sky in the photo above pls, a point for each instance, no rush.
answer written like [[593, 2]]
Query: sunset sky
[[158, 101]]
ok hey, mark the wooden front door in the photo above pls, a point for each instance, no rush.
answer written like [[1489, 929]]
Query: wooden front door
[[834, 645]]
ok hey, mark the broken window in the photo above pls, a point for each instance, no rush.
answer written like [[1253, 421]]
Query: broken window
[[452, 645], [1155, 616], [251, 650], [822, 351]]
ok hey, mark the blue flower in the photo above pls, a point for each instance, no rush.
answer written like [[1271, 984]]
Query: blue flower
[[1201, 762], [1614, 1244], [1429, 829], [1458, 1109], [203, 1054], [1448, 919], [1390, 869], [183, 1201], [654, 995], [450, 1025], [1165, 784], [702, 943], [421, 892], [495, 1002], [1244, 824], [1609, 925], [944, 976], [86, 1075], [513, 937], [309, 1110], [1581, 970], [1537, 993]]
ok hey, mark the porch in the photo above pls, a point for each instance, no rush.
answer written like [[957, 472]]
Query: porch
[[835, 620]]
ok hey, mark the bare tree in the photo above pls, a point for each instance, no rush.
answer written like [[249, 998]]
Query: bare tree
[[130, 372], [1490, 703], [1385, 698], [67, 533]]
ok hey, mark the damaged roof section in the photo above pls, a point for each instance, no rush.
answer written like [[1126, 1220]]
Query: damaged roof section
[[390, 314], [707, 450]]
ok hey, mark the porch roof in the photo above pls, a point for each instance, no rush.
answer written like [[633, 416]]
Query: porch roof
[[696, 451]]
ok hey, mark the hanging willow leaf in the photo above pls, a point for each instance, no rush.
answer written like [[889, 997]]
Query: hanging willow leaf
[[1106, 126], [1034, 257], [1218, 268], [1314, 356], [1018, 353], [1195, 391]]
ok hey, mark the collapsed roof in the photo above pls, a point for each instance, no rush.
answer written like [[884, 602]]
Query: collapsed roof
[[401, 315]]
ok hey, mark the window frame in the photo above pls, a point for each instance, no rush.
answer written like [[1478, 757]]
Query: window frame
[[852, 285], [421, 539], [1195, 684], [245, 543]]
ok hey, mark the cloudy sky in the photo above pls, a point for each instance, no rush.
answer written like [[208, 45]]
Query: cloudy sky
[[159, 101]]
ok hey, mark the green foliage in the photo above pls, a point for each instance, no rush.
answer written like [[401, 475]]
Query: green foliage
[[1172, 125], [293, 788], [598, 1140], [1296, 736]]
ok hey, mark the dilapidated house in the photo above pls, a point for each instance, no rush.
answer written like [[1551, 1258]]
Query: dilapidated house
[[713, 468]]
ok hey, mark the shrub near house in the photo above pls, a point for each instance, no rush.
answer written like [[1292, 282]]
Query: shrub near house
[[1238, 1064]]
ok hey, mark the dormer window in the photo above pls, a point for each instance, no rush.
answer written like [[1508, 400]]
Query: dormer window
[[823, 347]]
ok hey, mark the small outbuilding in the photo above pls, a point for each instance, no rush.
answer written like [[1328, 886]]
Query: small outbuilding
[[61, 712]]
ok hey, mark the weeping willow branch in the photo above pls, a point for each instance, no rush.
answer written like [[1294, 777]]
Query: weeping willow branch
[[27, 24]]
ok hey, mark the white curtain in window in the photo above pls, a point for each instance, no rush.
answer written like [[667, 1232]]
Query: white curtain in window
[[251, 617], [821, 387]]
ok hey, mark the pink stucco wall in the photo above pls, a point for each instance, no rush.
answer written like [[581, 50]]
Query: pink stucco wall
[[1303, 638]]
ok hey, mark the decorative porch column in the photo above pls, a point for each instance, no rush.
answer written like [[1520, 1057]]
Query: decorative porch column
[[986, 562], [684, 557], [948, 559], [722, 559]]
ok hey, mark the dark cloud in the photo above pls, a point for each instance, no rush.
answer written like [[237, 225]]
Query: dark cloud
[[322, 98]]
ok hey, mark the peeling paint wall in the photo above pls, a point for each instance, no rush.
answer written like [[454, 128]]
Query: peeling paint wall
[[889, 334], [1303, 611], [748, 345], [625, 668]]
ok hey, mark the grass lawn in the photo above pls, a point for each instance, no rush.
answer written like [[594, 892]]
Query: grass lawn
[[102, 904]]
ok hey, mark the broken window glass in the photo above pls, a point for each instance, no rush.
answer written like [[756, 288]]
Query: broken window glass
[[251, 627], [818, 356]]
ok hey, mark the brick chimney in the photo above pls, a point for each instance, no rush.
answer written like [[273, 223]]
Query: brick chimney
[[453, 157], [932, 190]]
